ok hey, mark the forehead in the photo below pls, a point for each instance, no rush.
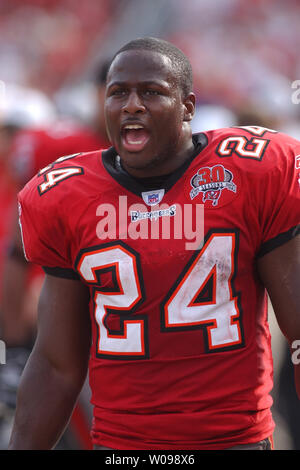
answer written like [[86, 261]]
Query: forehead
[[141, 65]]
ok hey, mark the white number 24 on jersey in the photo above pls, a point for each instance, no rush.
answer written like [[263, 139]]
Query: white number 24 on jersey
[[218, 317]]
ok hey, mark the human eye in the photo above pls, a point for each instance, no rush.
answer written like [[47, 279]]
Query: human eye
[[117, 92], [150, 92]]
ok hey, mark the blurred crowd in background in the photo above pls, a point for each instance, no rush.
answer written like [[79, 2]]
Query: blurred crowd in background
[[244, 54], [52, 64]]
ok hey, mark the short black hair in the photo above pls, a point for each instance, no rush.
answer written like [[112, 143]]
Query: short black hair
[[181, 64]]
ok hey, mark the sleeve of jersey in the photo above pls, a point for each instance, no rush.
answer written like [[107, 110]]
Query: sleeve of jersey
[[44, 234], [280, 213]]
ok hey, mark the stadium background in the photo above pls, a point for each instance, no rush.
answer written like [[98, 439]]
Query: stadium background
[[245, 60]]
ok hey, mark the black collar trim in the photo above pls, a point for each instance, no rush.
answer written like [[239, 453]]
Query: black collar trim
[[133, 184]]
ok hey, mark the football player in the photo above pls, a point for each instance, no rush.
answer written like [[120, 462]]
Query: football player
[[176, 340]]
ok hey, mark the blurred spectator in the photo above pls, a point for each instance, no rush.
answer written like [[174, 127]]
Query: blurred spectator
[[20, 108]]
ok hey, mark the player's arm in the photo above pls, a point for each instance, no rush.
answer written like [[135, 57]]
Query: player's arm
[[280, 273], [57, 367]]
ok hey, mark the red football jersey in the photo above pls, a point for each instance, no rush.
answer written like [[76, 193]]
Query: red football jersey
[[181, 352], [33, 149]]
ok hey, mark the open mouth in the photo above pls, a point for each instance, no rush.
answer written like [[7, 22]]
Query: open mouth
[[134, 137]]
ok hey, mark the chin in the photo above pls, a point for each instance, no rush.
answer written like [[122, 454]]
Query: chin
[[136, 166], [135, 159]]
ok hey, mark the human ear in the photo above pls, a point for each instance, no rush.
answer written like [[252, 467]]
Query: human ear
[[189, 107]]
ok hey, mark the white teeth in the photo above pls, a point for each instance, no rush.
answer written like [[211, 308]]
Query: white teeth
[[133, 126]]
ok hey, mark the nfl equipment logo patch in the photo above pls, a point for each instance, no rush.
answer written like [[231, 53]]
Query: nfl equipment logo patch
[[151, 198], [211, 181]]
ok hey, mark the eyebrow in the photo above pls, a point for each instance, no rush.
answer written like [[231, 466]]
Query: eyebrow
[[162, 83]]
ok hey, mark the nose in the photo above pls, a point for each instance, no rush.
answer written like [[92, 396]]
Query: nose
[[133, 104]]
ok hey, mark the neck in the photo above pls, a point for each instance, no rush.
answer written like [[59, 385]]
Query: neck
[[170, 161]]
